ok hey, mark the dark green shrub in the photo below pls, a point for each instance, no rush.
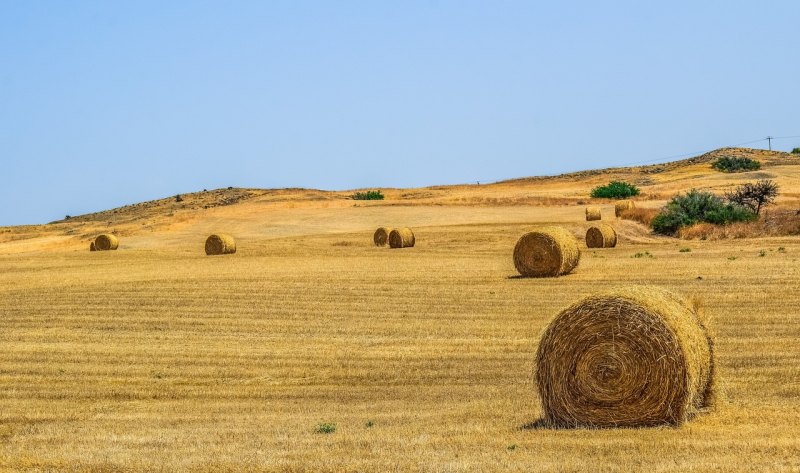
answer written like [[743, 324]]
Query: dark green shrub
[[698, 206], [734, 164], [368, 195], [615, 190], [795, 150]]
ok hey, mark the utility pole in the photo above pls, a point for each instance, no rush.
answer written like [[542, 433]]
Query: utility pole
[[769, 140]]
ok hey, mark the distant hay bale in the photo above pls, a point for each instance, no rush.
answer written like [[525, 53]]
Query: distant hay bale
[[547, 252], [401, 238], [601, 236], [92, 247], [220, 244], [630, 357], [622, 206], [593, 213], [381, 236], [106, 242]]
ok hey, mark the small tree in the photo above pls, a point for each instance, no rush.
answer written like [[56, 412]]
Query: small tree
[[796, 151], [754, 195]]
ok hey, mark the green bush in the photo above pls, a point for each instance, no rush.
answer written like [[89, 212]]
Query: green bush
[[796, 151], [733, 164], [615, 190], [698, 206], [368, 195]]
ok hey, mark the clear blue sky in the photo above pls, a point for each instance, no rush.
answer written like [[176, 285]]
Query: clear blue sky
[[108, 103]]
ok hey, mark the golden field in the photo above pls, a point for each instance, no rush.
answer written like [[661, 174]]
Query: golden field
[[156, 357]]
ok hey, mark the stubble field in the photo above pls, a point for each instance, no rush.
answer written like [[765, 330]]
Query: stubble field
[[159, 358]]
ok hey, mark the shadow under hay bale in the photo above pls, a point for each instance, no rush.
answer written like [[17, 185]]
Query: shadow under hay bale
[[601, 236], [220, 244], [401, 238], [593, 213], [622, 206], [547, 252], [381, 236], [631, 357], [106, 242], [92, 247]]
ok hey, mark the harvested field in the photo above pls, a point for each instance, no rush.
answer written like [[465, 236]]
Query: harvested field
[[231, 363]]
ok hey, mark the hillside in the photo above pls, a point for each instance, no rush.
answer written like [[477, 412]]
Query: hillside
[[268, 213]]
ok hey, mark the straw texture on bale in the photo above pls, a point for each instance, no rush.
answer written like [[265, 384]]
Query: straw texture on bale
[[622, 206], [92, 247], [601, 236], [106, 242], [593, 213], [401, 238], [630, 357], [381, 236], [547, 252], [220, 244]]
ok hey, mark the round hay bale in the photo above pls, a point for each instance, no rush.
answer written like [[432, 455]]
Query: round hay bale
[[220, 244], [622, 206], [547, 252], [401, 238], [92, 247], [381, 236], [106, 242], [601, 236], [634, 356], [593, 213]]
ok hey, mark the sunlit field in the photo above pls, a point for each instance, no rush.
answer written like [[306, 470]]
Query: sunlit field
[[320, 352]]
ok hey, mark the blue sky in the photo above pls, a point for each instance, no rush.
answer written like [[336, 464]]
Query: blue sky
[[108, 103]]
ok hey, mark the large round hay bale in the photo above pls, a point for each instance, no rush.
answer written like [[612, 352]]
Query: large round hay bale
[[92, 247], [401, 238], [106, 242], [381, 236], [634, 356], [220, 244], [593, 213], [622, 206], [547, 252], [601, 236]]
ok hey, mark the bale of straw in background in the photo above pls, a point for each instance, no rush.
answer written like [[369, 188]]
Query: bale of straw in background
[[601, 236], [401, 238], [593, 213], [220, 244], [633, 356], [92, 247], [622, 206], [381, 236], [106, 242], [547, 252]]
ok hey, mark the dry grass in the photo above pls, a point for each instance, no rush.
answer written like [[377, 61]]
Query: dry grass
[[630, 357], [644, 216], [774, 222], [423, 359], [216, 364]]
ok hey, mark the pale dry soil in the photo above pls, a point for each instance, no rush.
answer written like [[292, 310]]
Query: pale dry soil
[[159, 358]]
